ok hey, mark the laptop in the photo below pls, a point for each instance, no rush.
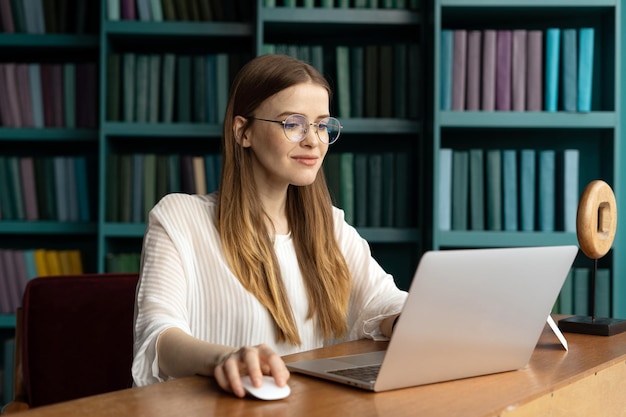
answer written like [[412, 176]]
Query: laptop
[[469, 312]]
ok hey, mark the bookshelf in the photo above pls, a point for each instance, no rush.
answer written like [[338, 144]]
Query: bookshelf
[[98, 33], [595, 134]]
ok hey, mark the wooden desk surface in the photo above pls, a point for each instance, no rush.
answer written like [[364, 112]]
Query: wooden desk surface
[[575, 383]]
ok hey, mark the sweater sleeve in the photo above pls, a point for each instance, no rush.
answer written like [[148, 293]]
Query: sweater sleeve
[[375, 295]]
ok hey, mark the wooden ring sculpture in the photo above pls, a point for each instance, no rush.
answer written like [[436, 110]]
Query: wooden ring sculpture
[[596, 220]]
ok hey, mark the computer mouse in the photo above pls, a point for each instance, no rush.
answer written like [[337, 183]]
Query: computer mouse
[[267, 391]]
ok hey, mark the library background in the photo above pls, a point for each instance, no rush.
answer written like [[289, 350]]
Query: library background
[[467, 123]]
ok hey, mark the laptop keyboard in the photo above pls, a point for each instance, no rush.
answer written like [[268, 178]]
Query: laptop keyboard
[[362, 373]]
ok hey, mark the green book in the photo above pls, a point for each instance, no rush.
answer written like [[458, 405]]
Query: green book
[[169, 10], [460, 189], [174, 183], [385, 81], [112, 187], [528, 175], [125, 188], [162, 174], [200, 90], [361, 189], [7, 207], [128, 63], [15, 185], [156, 10], [167, 88], [154, 84], [547, 190], [183, 92], [142, 84], [50, 188], [113, 87], [137, 187], [347, 185], [493, 170], [343, 81], [388, 178], [509, 190], [69, 94], [404, 191], [332, 173], [582, 276], [375, 191], [477, 189], [444, 185]]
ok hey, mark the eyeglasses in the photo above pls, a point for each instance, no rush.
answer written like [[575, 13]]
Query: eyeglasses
[[296, 127]]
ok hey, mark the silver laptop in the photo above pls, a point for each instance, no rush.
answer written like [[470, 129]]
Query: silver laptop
[[469, 312]]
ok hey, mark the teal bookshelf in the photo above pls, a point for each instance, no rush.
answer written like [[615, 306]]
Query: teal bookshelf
[[597, 135]]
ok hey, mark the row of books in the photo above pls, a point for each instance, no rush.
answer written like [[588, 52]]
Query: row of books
[[123, 262], [135, 182], [45, 188], [169, 87], [509, 189], [357, 4], [6, 371], [575, 296], [370, 80], [373, 189], [179, 10], [43, 16], [48, 95], [517, 70], [18, 266]]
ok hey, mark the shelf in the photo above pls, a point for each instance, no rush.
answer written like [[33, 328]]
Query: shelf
[[162, 129], [168, 29], [526, 120], [387, 126], [48, 134], [7, 321], [475, 239], [389, 235], [46, 228], [125, 230], [48, 41], [529, 3]]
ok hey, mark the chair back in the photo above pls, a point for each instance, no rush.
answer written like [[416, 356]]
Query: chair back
[[77, 336]]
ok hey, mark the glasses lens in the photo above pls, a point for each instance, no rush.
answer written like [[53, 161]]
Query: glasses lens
[[328, 129], [295, 127]]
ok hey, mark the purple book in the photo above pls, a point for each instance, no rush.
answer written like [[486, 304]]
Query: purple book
[[472, 99], [29, 191], [503, 69], [488, 96], [6, 14], [534, 70], [518, 70], [459, 63]]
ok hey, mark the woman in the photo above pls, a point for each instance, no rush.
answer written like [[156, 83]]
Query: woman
[[266, 266]]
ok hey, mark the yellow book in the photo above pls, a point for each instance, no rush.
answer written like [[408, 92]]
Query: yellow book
[[64, 262], [76, 262], [53, 262], [41, 263]]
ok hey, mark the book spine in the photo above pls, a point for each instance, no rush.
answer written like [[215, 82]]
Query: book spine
[[553, 42], [488, 90], [518, 70], [585, 69], [474, 44], [503, 70], [459, 69], [445, 189], [569, 69], [447, 57], [534, 65]]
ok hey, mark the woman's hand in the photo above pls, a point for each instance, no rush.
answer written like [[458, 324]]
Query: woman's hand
[[254, 361]]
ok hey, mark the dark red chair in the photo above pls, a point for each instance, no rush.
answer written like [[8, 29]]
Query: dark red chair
[[74, 338]]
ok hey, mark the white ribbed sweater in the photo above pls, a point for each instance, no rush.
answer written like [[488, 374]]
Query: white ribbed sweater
[[186, 283]]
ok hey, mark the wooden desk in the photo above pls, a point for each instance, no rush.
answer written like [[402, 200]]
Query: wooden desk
[[589, 380]]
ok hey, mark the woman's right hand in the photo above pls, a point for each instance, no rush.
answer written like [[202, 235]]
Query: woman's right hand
[[254, 361]]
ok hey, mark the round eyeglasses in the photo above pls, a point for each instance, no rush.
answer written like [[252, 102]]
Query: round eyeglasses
[[296, 127]]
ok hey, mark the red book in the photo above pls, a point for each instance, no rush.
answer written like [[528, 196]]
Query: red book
[[129, 10], [12, 94], [5, 113], [46, 90], [29, 192], [23, 88], [58, 113], [459, 64], [6, 15], [503, 69], [488, 96], [472, 99]]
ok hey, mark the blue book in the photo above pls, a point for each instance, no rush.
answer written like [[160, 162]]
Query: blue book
[[222, 77], [447, 52], [570, 174], [528, 175], [553, 42], [82, 189], [547, 190], [569, 69], [477, 189], [444, 201], [494, 189], [211, 85], [585, 69], [209, 167], [31, 265], [509, 189]]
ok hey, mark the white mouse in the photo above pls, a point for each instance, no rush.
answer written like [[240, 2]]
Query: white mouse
[[267, 391]]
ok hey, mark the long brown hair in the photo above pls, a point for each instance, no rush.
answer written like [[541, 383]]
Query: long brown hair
[[241, 218]]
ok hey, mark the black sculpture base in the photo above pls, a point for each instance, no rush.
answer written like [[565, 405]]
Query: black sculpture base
[[586, 325]]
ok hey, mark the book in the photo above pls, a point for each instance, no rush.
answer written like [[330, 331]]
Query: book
[[566, 296], [546, 190], [519, 75], [569, 69], [570, 175], [403, 207], [385, 81], [15, 185], [477, 189], [142, 71], [82, 188], [444, 201], [585, 69], [137, 186], [400, 81], [156, 10], [603, 293], [187, 177], [343, 81], [58, 109], [223, 84], [459, 68], [493, 171], [27, 171], [528, 175], [69, 95], [125, 190], [474, 45], [113, 85], [332, 174], [128, 84], [375, 190], [534, 70], [113, 9], [488, 78], [211, 88], [6, 16], [154, 85], [361, 188], [34, 77], [167, 88], [129, 9], [24, 94], [200, 90], [346, 165], [581, 291], [372, 79], [112, 187], [357, 82], [388, 178], [460, 189], [199, 174], [11, 91], [447, 68], [553, 44], [503, 69], [150, 183], [509, 190], [70, 185]]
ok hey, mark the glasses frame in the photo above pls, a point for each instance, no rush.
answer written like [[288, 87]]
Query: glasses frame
[[315, 124]]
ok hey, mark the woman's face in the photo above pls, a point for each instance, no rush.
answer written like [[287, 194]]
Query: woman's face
[[278, 162]]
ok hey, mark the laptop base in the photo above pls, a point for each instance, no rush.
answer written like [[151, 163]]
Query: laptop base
[[594, 326]]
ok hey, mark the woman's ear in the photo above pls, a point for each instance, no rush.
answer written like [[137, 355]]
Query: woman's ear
[[239, 131]]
